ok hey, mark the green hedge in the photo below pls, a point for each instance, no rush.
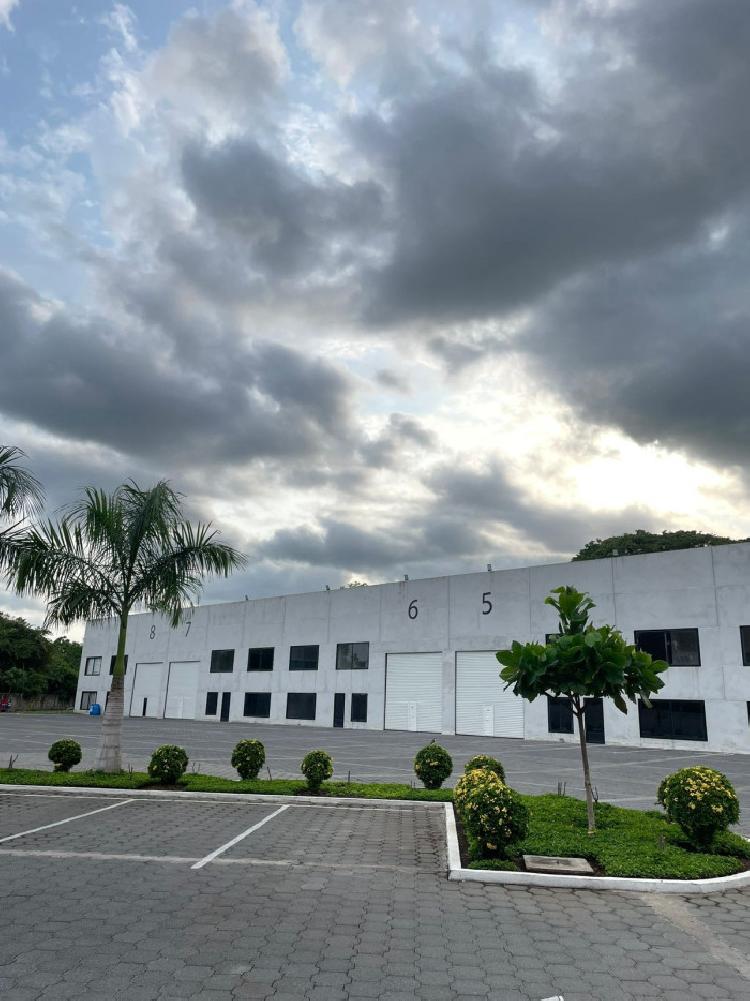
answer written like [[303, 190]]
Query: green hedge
[[211, 783], [626, 842]]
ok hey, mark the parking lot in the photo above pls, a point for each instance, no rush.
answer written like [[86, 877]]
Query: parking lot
[[627, 776], [156, 897]]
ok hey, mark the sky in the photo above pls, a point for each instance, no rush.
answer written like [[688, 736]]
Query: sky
[[382, 288]]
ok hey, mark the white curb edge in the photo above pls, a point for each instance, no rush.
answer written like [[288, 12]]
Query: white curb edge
[[227, 797], [716, 884]]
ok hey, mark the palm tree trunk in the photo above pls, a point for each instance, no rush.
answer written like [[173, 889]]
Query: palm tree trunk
[[580, 711], [109, 758]]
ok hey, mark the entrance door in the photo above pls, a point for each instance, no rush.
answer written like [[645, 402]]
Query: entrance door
[[339, 708], [226, 698], [594, 721]]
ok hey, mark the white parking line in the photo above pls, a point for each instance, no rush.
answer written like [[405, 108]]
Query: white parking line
[[78, 816], [220, 851]]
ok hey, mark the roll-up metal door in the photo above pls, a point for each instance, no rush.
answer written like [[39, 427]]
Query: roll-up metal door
[[145, 696], [182, 689], [414, 691], [483, 707]]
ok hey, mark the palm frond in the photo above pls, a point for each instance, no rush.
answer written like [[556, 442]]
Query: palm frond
[[21, 493], [59, 562], [170, 577]]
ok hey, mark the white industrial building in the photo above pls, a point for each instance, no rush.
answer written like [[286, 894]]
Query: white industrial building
[[420, 654]]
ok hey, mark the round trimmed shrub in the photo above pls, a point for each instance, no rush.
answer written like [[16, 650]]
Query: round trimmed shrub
[[701, 800], [168, 763], [488, 762], [433, 765], [492, 813], [248, 757], [317, 766], [64, 754]]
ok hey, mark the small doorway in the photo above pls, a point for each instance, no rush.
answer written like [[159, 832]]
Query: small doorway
[[594, 721], [226, 699], [339, 708]]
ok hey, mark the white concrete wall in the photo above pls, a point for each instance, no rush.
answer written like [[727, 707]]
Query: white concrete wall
[[705, 588]]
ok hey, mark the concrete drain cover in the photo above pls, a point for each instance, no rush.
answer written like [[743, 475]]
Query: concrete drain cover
[[555, 864]]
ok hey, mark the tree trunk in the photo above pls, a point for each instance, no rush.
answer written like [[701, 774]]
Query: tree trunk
[[109, 758], [580, 711]]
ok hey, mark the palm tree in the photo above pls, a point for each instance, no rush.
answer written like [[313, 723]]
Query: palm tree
[[21, 495], [111, 554]]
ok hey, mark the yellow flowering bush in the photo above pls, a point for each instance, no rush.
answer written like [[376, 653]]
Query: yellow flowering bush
[[701, 800], [433, 765], [492, 813], [486, 761]]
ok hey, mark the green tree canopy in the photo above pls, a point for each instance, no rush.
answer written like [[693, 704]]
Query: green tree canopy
[[639, 542], [582, 661], [31, 664]]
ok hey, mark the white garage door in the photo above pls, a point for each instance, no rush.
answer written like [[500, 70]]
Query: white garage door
[[482, 706], [414, 691], [182, 689], [145, 696]]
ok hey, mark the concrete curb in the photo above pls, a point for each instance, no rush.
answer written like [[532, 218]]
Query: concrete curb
[[717, 884], [225, 797]]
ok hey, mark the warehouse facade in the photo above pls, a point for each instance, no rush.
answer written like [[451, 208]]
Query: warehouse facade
[[420, 654]]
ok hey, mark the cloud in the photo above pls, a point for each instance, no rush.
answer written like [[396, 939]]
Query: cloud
[[6, 6], [140, 394], [489, 498], [284, 222]]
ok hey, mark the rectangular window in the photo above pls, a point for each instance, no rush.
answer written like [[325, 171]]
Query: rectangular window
[[301, 705], [745, 639], [674, 719], [679, 647], [112, 660], [258, 704], [222, 661], [87, 699], [551, 637], [359, 709], [93, 666], [559, 714], [352, 656], [212, 702], [303, 658], [260, 658]]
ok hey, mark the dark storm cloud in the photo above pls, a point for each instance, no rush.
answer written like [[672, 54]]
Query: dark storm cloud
[[91, 381], [590, 208], [286, 222], [416, 542]]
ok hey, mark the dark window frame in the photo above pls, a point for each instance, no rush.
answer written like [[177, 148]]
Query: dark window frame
[[550, 638], [345, 657], [557, 706], [745, 644], [358, 707], [261, 657], [213, 699], [301, 662], [669, 644], [311, 697], [216, 657], [92, 673], [112, 660], [667, 712], [257, 695], [90, 703]]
